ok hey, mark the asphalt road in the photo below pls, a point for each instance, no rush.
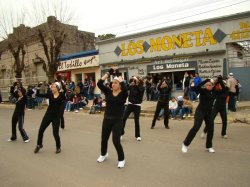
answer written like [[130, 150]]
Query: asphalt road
[[155, 161]]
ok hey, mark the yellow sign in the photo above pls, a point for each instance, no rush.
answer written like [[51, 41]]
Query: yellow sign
[[242, 33], [184, 40]]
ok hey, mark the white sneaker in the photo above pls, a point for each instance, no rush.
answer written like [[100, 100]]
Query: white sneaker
[[68, 110], [10, 140], [184, 115], [120, 137], [102, 158], [27, 141], [211, 150], [138, 138], [203, 135], [172, 118], [121, 164], [76, 111], [184, 148], [225, 136], [80, 108], [189, 116]]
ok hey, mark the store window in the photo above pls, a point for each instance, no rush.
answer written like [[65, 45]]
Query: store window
[[78, 77]]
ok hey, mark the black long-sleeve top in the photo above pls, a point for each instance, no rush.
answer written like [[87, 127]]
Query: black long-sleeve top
[[114, 104], [54, 103], [206, 98], [221, 96], [136, 94], [163, 93], [20, 106]]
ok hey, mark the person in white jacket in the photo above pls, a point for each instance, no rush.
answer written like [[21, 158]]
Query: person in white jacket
[[173, 105]]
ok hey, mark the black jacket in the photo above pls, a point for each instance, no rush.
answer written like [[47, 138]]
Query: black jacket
[[164, 94], [136, 94]]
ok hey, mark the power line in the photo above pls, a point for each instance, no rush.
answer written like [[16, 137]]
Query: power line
[[196, 14]]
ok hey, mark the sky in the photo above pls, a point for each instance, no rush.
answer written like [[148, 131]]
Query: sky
[[124, 17]]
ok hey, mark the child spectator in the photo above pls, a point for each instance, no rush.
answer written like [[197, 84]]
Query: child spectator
[[69, 100], [83, 101], [187, 108], [180, 106], [173, 107], [75, 103]]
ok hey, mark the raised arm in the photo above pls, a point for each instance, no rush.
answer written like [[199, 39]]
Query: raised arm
[[100, 84]]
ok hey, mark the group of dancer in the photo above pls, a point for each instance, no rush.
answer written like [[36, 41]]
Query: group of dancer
[[116, 114]]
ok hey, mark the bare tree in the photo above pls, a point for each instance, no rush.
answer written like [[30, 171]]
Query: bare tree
[[52, 33], [51, 37], [15, 38]]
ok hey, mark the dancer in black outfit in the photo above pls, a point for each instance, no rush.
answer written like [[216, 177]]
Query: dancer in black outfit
[[136, 91], [203, 112], [18, 116], [113, 116], [62, 107], [163, 102], [220, 106], [52, 115]]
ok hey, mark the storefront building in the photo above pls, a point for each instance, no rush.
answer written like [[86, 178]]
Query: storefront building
[[82, 66], [209, 47]]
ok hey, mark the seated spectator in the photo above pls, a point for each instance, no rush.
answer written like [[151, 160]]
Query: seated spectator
[[187, 108], [69, 100], [180, 106], [103, 104], [94, 105], [75, 104], [83, 101], [173, 107]]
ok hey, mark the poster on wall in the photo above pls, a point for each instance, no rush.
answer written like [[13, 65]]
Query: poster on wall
[[210, 68]]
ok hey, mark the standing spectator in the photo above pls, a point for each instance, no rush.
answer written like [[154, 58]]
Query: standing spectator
[[136, 91], [30, 92], [192, 93], [91, 89], [1, 100], [113, 117], [197, 79], [186, 82], [231, 84], [163, 102], [18, 116], [148, 87], [39, 99], [238, 90]]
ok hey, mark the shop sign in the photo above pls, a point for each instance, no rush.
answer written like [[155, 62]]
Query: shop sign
[[169, 66], [210, 68], [242, 33], [196, 38], [77, 63]]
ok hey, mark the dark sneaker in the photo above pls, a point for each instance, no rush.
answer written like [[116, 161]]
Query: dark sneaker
[[11, 139], [38, 147], [152, 127], [167, 127], [58, 150]]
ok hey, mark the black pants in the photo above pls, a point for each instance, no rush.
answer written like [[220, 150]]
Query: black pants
[[198, 119], [47, 119], [159, 106], [223, 115], [137, 110], [20, 120], [114, 126], [62, 108]]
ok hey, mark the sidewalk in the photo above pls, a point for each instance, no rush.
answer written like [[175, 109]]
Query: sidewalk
[[242, 114], [148, 108]]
